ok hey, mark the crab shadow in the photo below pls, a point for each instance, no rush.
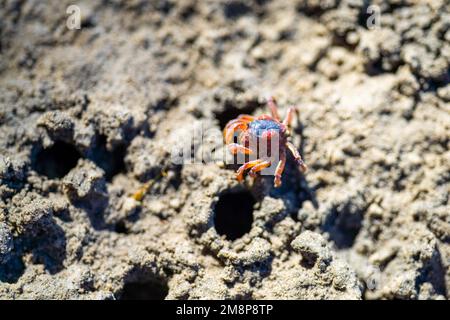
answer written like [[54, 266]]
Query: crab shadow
[[295, 188], [433, 272]]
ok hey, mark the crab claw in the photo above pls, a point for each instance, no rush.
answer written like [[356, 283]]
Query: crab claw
[[303, 167], [277, 181]]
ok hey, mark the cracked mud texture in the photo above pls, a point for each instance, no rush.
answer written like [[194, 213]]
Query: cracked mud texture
[[87, 116]]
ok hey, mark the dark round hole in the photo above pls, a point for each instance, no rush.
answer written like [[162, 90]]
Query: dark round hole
[[120, 227], [234, 214], [232, 112], [236, 9], [155, 289], [56, 161]]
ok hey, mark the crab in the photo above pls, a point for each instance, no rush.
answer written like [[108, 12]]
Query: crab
[[254, 132]]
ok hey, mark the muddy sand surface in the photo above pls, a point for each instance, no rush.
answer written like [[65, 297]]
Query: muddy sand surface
[[89, 115]]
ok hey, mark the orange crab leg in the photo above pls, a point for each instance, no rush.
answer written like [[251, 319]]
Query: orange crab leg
[[231, 123], [273, 108], [265, 117], [243, 138], [279, 170], [289, 116], [235, 148], [238, 120], [297, 156], [245, 166], [229, 132], [259, 167], [243, 118], [246, 117]]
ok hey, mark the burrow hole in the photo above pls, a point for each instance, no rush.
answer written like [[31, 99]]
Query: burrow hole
[[233, 214], [57, 160], [236, 9], [153, 288], [121, 227], [231, 112]]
